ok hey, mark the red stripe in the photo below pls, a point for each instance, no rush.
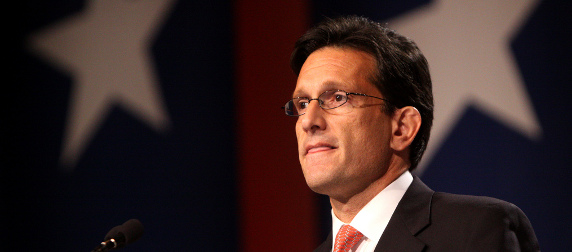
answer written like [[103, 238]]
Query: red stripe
[[278, 211]]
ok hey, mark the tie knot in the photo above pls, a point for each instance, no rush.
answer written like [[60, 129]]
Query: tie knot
[[346, 238]]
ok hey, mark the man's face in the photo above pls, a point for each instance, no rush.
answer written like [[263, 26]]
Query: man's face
[[341, 153]]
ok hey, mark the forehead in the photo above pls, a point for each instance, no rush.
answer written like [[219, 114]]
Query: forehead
[[336, 68]]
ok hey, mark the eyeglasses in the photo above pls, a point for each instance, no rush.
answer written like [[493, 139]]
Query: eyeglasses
[[327, 100]]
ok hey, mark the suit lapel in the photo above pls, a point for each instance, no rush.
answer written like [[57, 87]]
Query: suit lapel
[[410, 217]]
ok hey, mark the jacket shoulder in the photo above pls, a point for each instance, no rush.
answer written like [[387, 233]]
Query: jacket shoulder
[[472, 203], [478, 218]]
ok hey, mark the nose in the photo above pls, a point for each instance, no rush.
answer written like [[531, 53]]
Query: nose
[[313, 119]]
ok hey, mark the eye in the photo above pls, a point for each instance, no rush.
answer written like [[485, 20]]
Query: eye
[[302, 103], [339, 96]]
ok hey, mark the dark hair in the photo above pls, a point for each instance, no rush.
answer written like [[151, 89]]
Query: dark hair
[[402, 74]]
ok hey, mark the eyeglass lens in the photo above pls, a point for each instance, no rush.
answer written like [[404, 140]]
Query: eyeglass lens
[[327, 100]]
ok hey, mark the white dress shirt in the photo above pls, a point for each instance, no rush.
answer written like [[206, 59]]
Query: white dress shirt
[[372, 219]]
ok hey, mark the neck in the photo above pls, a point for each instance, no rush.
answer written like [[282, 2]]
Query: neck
[[346, 209]]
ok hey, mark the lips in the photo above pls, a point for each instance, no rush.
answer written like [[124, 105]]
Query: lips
[[318, 147]]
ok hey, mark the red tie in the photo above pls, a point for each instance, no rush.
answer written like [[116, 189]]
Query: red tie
[[346, 238]]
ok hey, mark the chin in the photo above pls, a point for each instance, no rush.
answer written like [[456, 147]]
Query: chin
[[319, 183], [318, 188]]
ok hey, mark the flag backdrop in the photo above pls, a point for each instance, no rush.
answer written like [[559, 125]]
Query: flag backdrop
[[169, 112]]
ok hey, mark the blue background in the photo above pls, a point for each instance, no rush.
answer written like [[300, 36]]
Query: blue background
[[183, 184]]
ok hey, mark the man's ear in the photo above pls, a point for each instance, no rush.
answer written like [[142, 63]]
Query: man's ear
[[405, 124]]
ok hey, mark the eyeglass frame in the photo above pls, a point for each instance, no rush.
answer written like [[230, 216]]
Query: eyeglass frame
[[320, 102]]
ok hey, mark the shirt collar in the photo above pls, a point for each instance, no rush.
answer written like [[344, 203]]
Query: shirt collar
[[372, 219]]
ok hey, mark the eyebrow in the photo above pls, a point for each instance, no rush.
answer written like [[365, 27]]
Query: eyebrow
[[298, 94], [326, 86]]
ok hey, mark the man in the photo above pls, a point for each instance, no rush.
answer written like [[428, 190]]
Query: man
[[364, 104]]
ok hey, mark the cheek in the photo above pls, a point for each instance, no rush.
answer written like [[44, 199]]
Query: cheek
[[298, 130], [299, 134], [367, 137]]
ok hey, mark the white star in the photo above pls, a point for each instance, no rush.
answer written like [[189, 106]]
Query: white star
[[467, 44], [106, 50]]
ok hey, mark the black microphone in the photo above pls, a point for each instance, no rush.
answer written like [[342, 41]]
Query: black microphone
[[121, 235]]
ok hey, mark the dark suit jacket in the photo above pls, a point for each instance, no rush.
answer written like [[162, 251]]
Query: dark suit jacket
[[425, 220]]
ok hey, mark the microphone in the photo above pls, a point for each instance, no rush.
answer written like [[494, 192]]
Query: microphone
[[121, 235]]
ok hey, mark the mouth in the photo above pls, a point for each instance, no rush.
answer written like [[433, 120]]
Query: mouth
[[320, 147]]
